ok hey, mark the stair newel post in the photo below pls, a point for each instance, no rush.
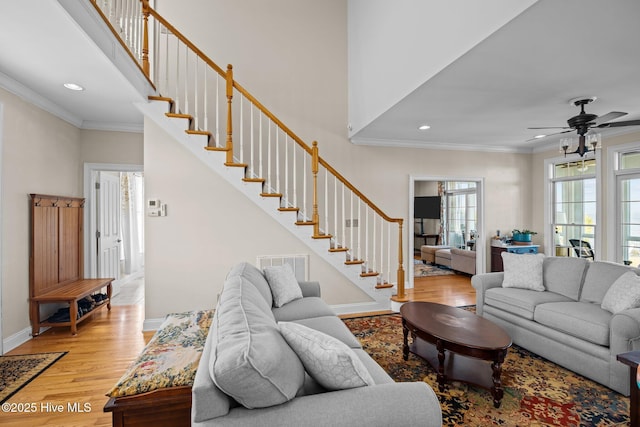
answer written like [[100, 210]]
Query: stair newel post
[[145, 38], [229, 145], [401, 295], [314, 169]]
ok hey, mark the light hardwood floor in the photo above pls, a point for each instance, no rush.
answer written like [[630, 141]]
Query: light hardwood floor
[[109, 341]]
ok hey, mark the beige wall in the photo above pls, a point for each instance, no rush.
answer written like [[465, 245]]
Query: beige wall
[[292, 55], [111, 147], [40, 154]]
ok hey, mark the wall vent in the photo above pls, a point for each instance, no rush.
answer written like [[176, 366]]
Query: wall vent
[[299, 264]]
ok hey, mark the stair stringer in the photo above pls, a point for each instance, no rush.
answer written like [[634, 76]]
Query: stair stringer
[[155, 110]]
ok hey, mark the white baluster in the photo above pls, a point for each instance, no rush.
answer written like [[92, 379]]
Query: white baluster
[[352, 247], [186, 80], [335, 210], [218, 142], [389, 252], [177, 110], [205, 99], [344, 220], [359, 227], [304, 186], [251, 154], [366, 237], [295, 177], [195, 95], [277, 160], [241, 129], [286, 170], [260, 147], [269, 158]]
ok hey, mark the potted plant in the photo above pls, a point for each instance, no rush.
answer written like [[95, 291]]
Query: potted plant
[[522, 236]]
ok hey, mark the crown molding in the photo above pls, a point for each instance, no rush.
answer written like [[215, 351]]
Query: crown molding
[[437, 145], [38, 100]]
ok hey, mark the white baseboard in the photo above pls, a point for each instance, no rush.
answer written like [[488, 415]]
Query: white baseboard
[[18, 339], [152, 324], [361, 307]]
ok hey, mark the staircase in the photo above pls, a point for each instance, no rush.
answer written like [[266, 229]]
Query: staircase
[[203, 108]]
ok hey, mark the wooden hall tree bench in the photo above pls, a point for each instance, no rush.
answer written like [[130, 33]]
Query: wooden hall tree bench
[[56, 261]]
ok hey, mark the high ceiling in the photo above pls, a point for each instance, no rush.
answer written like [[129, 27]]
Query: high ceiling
[[524, 75], [521, 76]]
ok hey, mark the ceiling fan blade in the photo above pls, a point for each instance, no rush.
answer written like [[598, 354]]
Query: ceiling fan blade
[[609, 116], [619, 124], [553, 127], [551, 134]]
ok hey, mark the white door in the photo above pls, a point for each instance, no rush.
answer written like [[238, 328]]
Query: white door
[[108, 233]]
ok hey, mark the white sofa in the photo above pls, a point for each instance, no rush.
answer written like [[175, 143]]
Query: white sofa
[[273, 386], [566, 322]]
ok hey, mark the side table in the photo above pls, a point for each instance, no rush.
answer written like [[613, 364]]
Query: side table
[[632, 359]]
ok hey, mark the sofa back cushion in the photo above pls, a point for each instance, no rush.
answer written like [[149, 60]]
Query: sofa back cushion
[[254, 275], [564, 275], [250, 360], [599, 278]]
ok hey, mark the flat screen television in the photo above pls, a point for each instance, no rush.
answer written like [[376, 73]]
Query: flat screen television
[[426, 207]]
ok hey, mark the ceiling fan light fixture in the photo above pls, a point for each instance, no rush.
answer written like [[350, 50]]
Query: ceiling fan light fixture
[[539, 136], [424, 127]]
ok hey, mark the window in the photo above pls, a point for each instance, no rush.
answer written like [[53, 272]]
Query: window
[[574, 204], [628, 207], [460, 213]]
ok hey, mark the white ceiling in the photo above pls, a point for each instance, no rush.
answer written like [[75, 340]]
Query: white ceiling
[[521, 76], [42, 47]]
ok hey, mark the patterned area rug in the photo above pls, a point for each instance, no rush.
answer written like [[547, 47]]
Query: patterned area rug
[[18, 371], [425, 270], [536, 391]]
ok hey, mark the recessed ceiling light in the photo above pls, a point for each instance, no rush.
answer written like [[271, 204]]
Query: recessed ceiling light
[[539, 136], [424, 127], [73, 86]]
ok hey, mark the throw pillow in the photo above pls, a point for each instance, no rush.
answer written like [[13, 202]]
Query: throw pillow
[[250, 360], [329, 361], [623, 294], [523, 271], [283, 284]]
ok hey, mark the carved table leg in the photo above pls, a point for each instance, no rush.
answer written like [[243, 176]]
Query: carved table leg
[[405, 347], [497, 391], [442, 377]]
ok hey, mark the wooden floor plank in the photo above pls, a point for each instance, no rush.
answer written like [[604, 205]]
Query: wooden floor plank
[[110, 340]]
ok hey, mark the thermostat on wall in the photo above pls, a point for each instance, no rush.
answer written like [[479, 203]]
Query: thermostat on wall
[[154, 207]]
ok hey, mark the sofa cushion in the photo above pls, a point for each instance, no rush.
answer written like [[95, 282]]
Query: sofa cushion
[[304, 308], [255, 276], [599, 278], [564, 275], [623, 294], [328, 360], [521, 302], [523, 271], [582, 320], [250, 361], [283, 284]]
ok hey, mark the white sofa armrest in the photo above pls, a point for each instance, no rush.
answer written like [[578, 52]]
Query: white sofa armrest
[[482, 282], [310, 289], [394, 404], [625, 331]]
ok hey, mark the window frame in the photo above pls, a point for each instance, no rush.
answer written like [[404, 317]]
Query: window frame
[[549, 192], [614, 154]]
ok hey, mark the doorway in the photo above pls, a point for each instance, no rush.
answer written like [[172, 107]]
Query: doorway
[[114, 237], [460, 222]]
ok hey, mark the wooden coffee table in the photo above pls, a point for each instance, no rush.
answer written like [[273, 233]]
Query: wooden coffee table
[[457, 343]]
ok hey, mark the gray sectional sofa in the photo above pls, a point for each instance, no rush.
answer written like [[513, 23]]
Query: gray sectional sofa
[[566, 322], [267, 382]]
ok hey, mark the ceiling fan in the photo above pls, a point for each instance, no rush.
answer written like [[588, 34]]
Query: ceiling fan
[[584, 122]]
